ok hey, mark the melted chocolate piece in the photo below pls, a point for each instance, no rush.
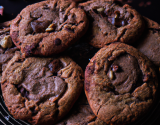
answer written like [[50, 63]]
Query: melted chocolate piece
[[22, 90], [127, 79], [39, 26], [115, 18], [57, 41], [118, 22], [55, 66]]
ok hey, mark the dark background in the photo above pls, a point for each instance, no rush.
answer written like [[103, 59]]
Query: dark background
[[148, 8]]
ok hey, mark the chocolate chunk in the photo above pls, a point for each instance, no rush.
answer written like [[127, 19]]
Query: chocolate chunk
[[69, 29], [57, 41], [118, 22], [115, 18], [22, 90], [39, 26], [55, 66]]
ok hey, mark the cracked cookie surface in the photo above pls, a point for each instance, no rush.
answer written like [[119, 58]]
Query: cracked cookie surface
[[5, 56], [5, 53], [41, 90], [120, 84], [48, 27], [149, 43], [112, 23], [81, 114]]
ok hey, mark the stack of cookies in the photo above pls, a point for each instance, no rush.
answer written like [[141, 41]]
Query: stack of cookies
[[55, 48]]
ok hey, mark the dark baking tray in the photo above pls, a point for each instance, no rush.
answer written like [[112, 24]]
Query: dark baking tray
[[82, 52]]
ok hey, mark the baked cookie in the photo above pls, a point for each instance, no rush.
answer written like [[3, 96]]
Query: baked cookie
[[120, 84], [149, 43], [48, 27], [81, 114], [41, 90], [7, 49], [5, 56], [111, 22]]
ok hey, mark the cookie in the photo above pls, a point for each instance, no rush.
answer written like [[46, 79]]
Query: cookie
[[81, 114], [120, 84], [41, 90], [111, 23], [48, 28], [149, 43], [5, 56], [5, 53]]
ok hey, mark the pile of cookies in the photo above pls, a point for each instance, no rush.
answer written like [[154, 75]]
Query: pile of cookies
[[46, 48]]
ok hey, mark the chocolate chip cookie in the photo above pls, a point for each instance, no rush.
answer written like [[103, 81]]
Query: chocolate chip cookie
[[5, 56], [7, 49], [149, 43], [111, 22], [120, 84], [41, 90], [48, 27]]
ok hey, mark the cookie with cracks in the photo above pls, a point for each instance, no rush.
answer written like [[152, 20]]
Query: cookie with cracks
[[41, 90], [120, 84], [48, 28]]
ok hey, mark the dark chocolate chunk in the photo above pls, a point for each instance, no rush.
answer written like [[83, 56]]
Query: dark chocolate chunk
[[57, 41], [55, 66], [39, 26]]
